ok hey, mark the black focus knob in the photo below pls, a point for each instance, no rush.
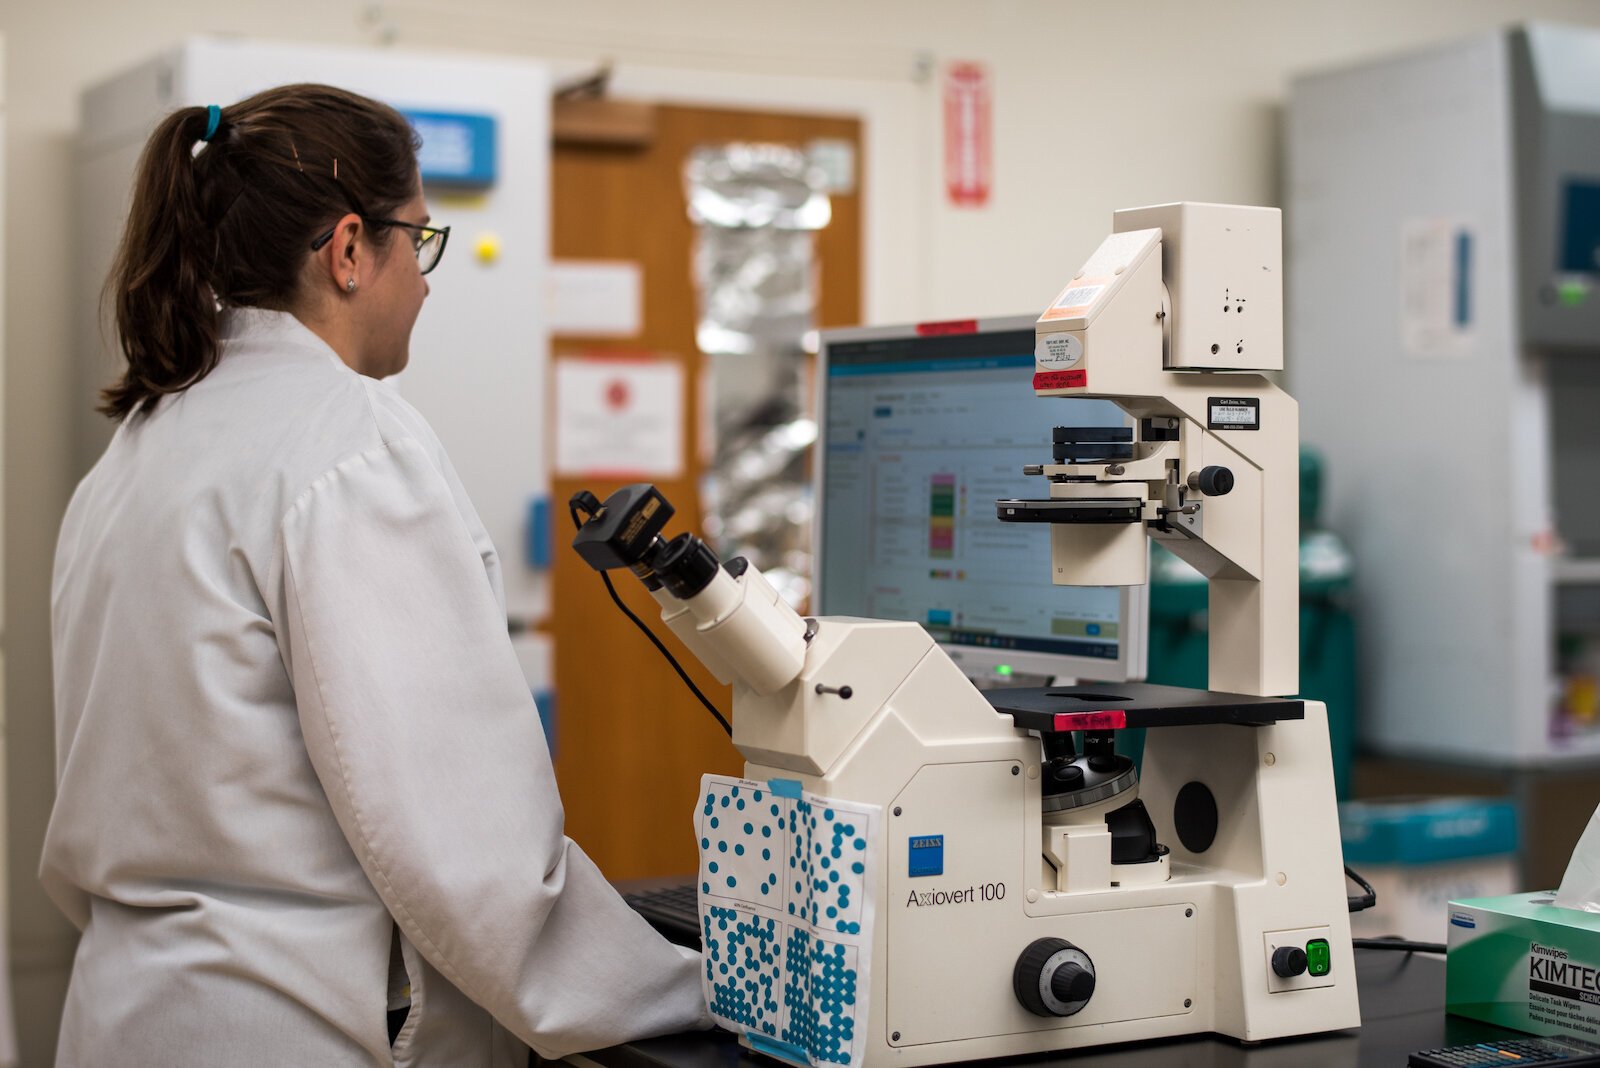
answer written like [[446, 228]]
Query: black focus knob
[[1072, 982], [1053, 977], [1216, 481], [1289, 961]]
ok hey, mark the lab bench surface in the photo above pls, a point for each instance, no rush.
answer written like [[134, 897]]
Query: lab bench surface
[[1402, 1010]]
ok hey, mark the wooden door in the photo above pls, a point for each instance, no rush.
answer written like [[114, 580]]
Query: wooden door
[[631, 740]]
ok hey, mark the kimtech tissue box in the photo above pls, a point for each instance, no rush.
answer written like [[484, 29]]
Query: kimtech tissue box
[[1522, 962]]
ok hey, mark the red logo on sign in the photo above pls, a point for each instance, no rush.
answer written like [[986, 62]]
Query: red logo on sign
[[1061, 379], [967, 122], [617, 394]]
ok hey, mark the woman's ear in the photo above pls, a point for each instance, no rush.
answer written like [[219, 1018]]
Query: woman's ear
[[345, 255]]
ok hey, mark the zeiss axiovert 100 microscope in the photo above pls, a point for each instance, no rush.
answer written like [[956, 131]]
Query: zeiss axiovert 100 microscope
[[1031, 891]]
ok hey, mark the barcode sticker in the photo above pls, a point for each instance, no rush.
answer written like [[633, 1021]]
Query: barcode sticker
[[1078, 297]]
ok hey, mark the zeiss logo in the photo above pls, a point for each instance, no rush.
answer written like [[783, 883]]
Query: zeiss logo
[[926, 855], [1463, 919]]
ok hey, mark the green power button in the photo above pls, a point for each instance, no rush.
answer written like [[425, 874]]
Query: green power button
[[1319, 958]]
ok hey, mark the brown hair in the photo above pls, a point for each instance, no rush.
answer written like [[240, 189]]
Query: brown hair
[[229, 221]]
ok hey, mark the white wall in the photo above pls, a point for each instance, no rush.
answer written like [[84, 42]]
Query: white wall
[[1098, 106]]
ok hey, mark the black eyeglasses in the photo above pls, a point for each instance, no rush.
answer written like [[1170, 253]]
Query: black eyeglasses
[[427, 241]]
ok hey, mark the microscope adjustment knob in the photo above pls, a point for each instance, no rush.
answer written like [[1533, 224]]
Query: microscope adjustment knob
[[1213, 481], [1072, 982], [1053, 977], [1289, 961]]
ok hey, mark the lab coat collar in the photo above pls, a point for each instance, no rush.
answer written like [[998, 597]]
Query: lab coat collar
[[246, 329]]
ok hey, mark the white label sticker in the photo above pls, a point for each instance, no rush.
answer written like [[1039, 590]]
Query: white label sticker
[[1437, 317], [1234, 413], [1078, 297], [1056, 351]]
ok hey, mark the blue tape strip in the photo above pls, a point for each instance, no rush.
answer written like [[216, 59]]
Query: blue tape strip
[[1463, 288], [772, 1047], [536, 548], [789, 788]]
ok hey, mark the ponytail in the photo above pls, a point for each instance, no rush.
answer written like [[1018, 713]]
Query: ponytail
[[166, 307], [231, 224]]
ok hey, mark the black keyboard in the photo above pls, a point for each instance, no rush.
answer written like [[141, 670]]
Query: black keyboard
[[672, 910]]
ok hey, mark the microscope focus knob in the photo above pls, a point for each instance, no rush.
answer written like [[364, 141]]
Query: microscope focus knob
[[1072, 983], [1289, 961], [1053, 977], [1213, 481]]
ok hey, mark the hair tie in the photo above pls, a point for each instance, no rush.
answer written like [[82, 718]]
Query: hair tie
[[213, 120]]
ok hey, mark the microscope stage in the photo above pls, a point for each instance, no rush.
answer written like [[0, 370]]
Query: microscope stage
[[1112, 706]]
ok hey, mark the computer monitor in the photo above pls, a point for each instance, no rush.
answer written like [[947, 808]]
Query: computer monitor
[[923, 428]]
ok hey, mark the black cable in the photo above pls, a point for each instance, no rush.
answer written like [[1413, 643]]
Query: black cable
[[1359, 902], [1400, 944], [1366, 901], [687, 681]]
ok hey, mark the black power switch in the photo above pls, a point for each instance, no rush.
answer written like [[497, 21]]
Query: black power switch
[[1289, 961]]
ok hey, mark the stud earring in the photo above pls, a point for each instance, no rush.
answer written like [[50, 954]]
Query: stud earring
[[350, 286]]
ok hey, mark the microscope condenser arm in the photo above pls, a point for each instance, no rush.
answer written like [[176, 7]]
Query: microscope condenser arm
[[1173, 318]]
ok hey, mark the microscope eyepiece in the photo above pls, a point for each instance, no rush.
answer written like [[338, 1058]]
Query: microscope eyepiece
[[685, 565]]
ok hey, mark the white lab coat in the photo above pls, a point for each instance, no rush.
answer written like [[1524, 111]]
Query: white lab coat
[[289, 718]]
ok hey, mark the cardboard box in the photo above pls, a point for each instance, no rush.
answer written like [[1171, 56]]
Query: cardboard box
[[1523, 963], [1421, 854]]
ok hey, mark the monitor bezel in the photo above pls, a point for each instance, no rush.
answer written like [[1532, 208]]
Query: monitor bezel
[[979, 662]]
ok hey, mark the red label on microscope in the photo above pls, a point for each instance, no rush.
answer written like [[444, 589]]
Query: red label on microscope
[[1061, 379]]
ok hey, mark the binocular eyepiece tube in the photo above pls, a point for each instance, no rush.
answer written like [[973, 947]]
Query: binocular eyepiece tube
[[729, 616]]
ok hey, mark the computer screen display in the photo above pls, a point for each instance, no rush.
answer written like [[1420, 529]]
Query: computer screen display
[[921, 434]]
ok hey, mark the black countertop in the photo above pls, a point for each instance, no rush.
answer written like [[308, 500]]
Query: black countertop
[[1402, 1010]]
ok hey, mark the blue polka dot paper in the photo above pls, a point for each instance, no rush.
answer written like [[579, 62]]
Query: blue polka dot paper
[[786, 915]]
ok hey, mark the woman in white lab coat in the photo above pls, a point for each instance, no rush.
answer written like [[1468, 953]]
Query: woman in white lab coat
[[302, 789]]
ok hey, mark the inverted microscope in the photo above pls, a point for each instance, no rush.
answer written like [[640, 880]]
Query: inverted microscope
[[1022, 887]]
